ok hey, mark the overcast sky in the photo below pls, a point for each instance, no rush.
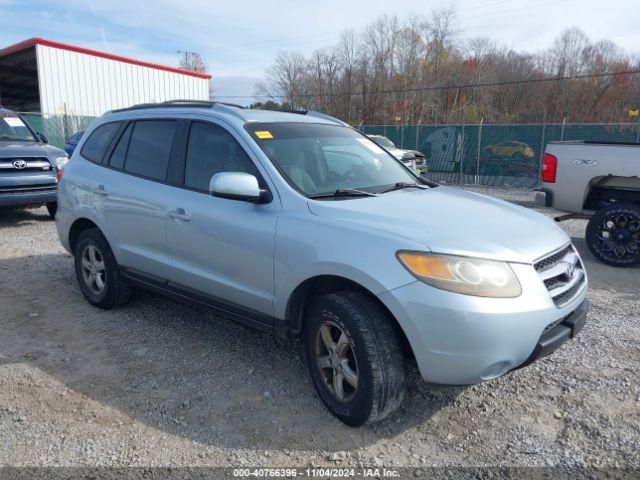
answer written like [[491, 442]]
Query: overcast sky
[[239, 39]]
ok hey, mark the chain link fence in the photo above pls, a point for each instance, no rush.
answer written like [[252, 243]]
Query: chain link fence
[[57, 128], [494, 154]]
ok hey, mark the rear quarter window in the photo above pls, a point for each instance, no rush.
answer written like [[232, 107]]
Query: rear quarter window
[[96, 145]]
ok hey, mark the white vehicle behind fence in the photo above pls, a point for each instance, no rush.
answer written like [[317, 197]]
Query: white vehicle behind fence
[[599, 181]]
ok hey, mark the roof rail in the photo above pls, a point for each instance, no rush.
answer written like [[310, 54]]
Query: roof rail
[[177, 104]]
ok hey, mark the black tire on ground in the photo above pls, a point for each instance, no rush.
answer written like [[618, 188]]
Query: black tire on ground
[[52, 208], [613, 234], [374, 350], [115, 289]]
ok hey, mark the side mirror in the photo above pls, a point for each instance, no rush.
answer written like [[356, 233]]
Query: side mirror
[[42, 137], [237, 186]]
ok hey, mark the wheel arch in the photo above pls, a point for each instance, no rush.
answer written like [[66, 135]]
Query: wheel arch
[[77, 227], [311, 288], [605, 189]]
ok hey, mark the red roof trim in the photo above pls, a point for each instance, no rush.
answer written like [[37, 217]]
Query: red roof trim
[[63, 46]]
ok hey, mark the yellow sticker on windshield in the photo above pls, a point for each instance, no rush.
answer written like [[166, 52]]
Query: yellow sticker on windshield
[[263, 134]]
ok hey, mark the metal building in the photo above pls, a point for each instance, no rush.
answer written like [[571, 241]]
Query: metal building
[[53, 78]]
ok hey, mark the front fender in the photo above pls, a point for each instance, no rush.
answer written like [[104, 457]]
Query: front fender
[[309, 246]]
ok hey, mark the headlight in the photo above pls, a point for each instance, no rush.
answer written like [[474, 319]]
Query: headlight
[[470, 276], [61, 162]]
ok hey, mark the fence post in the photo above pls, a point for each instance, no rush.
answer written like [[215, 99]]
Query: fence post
[[478, 155], [462, 153], [417, 133], [564, 122]]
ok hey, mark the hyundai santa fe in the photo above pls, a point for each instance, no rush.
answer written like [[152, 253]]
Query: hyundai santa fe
[[303, 226]]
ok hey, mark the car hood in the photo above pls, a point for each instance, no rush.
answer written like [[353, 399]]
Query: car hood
[[28, 149], [448, 220]]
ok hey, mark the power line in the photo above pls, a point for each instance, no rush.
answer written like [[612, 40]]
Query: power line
[[442, 87]]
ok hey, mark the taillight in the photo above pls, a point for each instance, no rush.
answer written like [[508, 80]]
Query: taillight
[[61, 162], [549, 168]]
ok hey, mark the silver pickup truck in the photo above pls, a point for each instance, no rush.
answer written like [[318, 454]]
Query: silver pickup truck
[[599, 181]]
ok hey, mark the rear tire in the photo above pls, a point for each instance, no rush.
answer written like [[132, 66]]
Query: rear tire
[[52, 208], [365, 344], [97, 271], [613, 234]]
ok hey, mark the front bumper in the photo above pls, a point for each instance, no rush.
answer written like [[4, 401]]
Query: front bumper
[[554, 337], [461, 340], [29, 197]]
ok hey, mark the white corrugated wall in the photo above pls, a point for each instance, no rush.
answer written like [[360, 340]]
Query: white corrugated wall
[[83, 84]]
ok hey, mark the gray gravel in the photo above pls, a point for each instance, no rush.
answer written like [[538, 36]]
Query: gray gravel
[[157, 383]]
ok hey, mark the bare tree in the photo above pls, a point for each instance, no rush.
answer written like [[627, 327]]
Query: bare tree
[[417, 70], [192, 61]]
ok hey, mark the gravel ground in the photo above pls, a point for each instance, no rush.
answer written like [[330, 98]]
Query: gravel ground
[[157, 383]]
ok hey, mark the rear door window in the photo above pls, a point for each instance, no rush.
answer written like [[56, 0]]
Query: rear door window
[[150, 148], [96, 145]]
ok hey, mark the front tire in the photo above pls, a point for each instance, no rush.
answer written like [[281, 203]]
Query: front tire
[[613, 234], [97, 271], [355, 357]]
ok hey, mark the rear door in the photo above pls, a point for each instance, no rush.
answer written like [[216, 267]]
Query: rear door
[[133, 194], [219, 248]]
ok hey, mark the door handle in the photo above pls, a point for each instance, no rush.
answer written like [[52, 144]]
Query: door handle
[[100, 190], [179, 214]]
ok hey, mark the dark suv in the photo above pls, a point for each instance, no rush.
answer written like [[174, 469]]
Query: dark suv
[[29, 168]]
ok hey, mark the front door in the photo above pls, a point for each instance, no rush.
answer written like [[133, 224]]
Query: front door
[[220, 248]]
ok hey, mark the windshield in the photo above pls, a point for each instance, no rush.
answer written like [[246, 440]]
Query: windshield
[[383, 142], [13, 128], [320, 159]]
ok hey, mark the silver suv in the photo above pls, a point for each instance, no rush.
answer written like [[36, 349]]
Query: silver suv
[[300, 225]]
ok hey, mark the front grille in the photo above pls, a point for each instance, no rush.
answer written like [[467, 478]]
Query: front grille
[[562, 274], [31, 164]]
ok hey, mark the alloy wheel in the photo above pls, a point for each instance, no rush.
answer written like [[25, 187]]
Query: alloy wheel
[[619, 236], [93, 269], [336, 360]]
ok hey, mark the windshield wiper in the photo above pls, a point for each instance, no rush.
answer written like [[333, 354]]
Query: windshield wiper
[[401, 185], [344, 192]]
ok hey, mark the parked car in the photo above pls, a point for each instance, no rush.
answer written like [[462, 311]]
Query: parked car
[[509, 158], [509, 149], [413, 159], [72, 142], [29, 167], [300, 225], [599, 181]]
